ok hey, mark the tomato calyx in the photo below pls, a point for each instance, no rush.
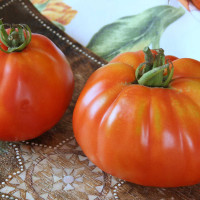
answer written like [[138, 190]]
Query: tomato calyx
[[17, 39], [155, 71]]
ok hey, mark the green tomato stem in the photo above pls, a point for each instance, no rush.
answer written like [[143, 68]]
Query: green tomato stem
[[18, 38], [152, 72]]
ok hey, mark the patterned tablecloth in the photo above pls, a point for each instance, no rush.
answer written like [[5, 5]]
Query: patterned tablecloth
[[53, 166], [158, 23]]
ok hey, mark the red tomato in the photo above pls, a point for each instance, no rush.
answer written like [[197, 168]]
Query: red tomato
[[36, 89], [145, 135]]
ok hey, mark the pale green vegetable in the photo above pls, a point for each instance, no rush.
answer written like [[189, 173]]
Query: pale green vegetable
[[133, 33]]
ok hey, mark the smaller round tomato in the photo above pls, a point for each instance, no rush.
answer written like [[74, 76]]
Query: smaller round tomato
[[36, 84]]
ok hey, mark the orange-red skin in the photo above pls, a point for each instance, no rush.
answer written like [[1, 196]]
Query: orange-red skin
[[136, 58], [148, 136], [36, 87]]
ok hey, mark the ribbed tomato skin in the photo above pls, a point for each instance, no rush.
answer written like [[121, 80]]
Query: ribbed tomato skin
[[149, 136]]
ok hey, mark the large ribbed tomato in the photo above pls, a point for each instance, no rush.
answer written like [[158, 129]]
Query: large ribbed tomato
[[36, 85], [148, 135]]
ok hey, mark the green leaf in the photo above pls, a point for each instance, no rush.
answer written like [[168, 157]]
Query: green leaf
[[59, 25], [133, 33], [42, 6]]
